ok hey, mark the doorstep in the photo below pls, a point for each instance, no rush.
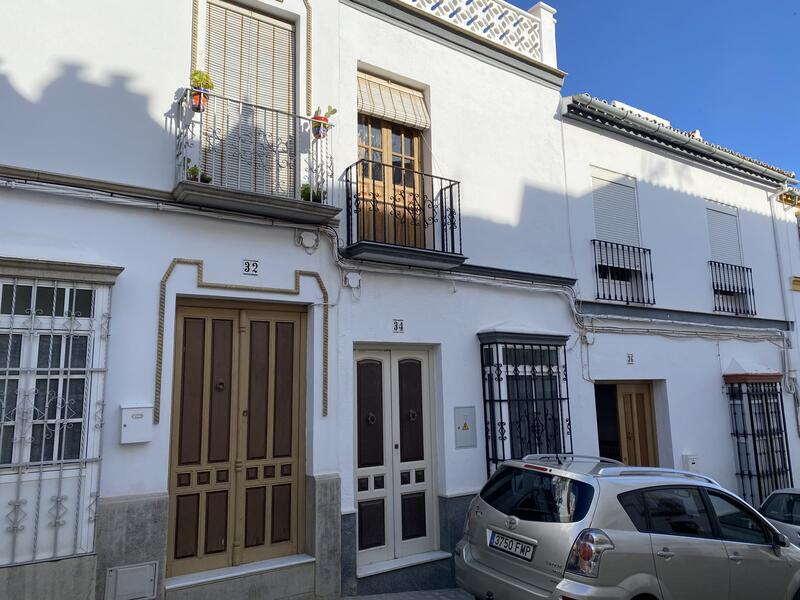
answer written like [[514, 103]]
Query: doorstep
[[246, 570], [401, 563]]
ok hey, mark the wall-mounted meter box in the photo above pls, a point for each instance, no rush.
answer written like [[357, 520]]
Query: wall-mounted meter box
[[137, 424], [690, 462]]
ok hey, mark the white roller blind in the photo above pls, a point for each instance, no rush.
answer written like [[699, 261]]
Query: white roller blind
[[723, 234], [616, 216], [250, 57], [248, 128], [387, 100]]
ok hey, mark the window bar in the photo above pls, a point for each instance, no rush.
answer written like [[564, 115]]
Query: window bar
[[615, 265], [458, 217]]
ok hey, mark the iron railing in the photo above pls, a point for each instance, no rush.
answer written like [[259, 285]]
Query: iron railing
[[389, 204], [733, 288], [246, 147], [759, 433], [623, 273], [526, 401]]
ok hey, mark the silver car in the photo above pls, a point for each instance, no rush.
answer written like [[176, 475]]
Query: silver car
[[575, 527], [782, 508]]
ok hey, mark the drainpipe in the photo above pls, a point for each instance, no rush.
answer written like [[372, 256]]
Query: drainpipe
[[790, 377]]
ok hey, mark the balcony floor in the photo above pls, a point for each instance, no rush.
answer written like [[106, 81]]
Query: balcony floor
[[403, 255], [283, 209]]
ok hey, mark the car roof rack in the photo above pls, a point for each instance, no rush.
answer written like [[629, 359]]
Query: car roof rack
[[561, 458], [623, 471]]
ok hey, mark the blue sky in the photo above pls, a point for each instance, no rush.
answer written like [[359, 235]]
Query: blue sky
[[730, 68]]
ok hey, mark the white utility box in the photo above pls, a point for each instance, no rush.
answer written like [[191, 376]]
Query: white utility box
[[132, 582], [466, 433], [137, 424], [690, 462]]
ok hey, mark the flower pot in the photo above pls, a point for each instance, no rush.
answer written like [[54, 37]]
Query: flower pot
[[199, 100], [319, 127], [205, 178]]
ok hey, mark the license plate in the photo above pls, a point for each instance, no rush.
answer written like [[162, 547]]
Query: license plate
[[511, 546]]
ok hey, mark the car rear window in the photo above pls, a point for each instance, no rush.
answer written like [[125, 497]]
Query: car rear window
[[535, 496], [783, 507]]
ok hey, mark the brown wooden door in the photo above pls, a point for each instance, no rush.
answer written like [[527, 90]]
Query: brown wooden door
[[637, 430], [236, 482], [393, 203]]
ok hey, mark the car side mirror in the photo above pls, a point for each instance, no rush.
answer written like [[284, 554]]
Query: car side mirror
[[781, 540]]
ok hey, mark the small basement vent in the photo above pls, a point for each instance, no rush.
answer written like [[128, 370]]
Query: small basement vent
[[132, 582]]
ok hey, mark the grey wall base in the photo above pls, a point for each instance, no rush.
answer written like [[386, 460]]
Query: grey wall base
[[426, 576], [131, 530], [66, 579]]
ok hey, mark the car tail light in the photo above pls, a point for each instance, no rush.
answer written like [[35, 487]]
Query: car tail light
[[588, 549]]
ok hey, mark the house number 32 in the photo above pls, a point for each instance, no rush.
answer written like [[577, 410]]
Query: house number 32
[[250, 267]]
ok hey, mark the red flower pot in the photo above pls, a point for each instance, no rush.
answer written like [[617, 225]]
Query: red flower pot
[[319, 127], [199, 100]]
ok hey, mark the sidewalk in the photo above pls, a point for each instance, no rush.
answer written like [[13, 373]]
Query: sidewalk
[[451, 594]]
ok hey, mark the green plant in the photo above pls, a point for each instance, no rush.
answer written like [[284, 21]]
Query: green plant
[[192, 172], [328, 113], [316, 195], [205, 177], [201, 80]]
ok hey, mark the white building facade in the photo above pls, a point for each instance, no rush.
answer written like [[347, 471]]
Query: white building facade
[[247, 352]]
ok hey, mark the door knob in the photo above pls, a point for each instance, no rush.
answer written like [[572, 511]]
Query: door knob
[[665, 553], [736, 557]]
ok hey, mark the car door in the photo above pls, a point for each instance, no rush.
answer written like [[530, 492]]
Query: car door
[[690, 563], [758, 569], [783, 511]]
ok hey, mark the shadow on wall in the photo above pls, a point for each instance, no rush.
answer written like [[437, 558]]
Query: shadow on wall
[[80, 127]]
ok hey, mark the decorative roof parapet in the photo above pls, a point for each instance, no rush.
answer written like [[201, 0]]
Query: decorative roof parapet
[[497, 22], [676, 138]]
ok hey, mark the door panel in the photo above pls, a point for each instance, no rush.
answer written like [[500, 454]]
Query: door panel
[[413, 497], [697, 571], [236, 477], [374, 474], [637, 425]]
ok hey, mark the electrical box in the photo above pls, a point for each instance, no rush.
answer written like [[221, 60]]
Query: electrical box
[[137, 424], [690, 462], [466, 430], [132, 582]]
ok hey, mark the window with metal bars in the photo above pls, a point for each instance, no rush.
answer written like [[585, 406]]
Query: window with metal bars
[[759, 433], [52, 354], [526, 397]]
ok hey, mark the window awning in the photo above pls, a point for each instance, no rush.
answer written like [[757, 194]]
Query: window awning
[[387, 100]]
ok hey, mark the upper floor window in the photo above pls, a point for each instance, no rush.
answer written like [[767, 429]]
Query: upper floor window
[[731, 281], [623, 268]]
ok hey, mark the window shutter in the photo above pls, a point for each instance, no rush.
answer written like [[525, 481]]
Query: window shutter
[[249, 129], [723, 234], [616, 216], [387, 100]]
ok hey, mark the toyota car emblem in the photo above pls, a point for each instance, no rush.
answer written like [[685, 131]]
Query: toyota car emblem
[[512, 522]]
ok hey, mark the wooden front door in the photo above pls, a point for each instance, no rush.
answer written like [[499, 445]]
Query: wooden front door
[[236, 464], [637, 430], [394, 474]]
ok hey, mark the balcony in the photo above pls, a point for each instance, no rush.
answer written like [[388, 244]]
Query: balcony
[[623, 273], [402, 216], [248, 158], [733, 288]]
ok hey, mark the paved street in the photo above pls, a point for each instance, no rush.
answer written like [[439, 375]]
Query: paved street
[[452, 594]]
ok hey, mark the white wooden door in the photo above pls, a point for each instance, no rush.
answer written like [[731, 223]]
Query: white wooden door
[[394, 467]]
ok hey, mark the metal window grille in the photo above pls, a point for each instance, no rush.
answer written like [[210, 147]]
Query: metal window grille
[[526, 401], [759, 434], [53, 338], [623, 273], [733, 288]]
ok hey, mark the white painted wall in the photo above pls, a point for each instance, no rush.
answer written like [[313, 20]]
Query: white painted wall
[[672, 196]]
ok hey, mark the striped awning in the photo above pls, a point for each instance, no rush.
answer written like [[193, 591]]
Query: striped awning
[[396, 103]]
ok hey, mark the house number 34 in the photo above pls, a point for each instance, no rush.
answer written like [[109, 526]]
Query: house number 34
[[250, 267], [397, 326]]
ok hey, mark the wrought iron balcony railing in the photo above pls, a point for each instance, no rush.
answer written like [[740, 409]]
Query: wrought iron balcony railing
[[733, 288], [249, 148], [623, 273], [389, 204]]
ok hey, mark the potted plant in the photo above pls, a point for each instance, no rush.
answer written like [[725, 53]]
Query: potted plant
[[205, 177], [201, 84], [320, 123], [315, 195], [192, 173]]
